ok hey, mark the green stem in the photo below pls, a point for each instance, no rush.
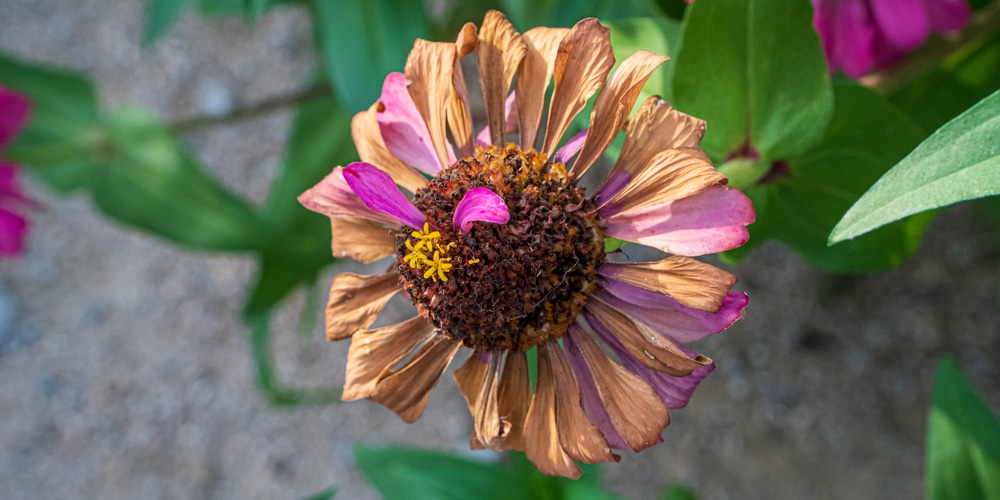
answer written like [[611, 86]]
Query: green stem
[[267, 106]]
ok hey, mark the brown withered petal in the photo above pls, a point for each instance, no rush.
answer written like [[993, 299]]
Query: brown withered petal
[[541, 430], [514, 398], [533, 75], [469, 378], [636, 411], [499, 52], [459, 114], [655, 127], [649, 347], [479, 383], [582, 63], [577, 436], [374, 353], [355, 302], [371, 148], [405, 391], [613, 105], [670, 175], [689, 281], [360, 239], [429, 71]]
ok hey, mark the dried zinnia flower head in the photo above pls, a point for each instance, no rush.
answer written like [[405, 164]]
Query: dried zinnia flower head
[[502, 252]]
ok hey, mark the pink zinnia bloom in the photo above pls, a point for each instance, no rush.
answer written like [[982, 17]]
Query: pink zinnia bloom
[[14, 111], [502, 252]]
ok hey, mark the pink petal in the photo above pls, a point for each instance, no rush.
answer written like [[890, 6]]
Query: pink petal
[[854, 34], [904, 23], [712, 220], [675, 392], [947, 15], [14, 111], [571, 148], [403, 129], [668, 317], [510, 111], [380, 193], [593, 406], [480, 204], [333, 197], [13, 229]]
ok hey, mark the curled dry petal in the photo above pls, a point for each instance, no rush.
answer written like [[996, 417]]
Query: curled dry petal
[[591, 397], [693, 283], [429, 69], [635, 409], [469, 378], [541, 429], [374, 353], [333, 197], [480, 204], [360, 239], [577, 436], [355, 302], [459, 114], [510, 111], [371, 148], [491, 427], [582, 63], [613, 105], [379, 192], [405, 391], [533, 75], [514, 398], [670, 175], [402, 128], [500, 51]]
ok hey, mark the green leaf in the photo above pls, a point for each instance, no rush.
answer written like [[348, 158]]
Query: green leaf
[[160, 16], [362, 42], [148, 180], [267, 377], [963, 440], [659, 35], [754, 70], [326, 494], [678, 492], [961, 161], [865, 137]]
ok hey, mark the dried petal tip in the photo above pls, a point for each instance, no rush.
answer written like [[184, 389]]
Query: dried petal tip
[[379, 192], [480, 204]]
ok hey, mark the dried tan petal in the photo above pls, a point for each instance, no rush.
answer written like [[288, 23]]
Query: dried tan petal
[[693, 283], [459, 114], [429, 71], [405, 391], [649, 347], [478, 382], [613, 105], [541, 432], [656, 127], [356, 300], [469, 377], [636, 411], [582, 64], [533, 75], [670, 175], [499, 52], [577, 436], [360, 239], [374, 353], [514, 398], [371, 148]]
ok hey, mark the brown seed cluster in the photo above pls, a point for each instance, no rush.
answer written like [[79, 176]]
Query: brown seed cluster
[[511, 286]]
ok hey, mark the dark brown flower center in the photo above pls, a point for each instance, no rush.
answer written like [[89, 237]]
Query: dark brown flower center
[[503, 286]]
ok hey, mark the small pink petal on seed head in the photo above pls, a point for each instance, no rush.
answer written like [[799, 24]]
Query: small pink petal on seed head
[[379, 192], [480, 204]]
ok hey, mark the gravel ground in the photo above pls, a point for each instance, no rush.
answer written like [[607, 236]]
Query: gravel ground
[[125, 371]]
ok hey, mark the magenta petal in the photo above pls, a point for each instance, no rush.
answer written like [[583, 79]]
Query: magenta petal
[[380, 193], [403, 129], [593, 406], [571, 148], [480, 204], [333, 197], [14, 111], [709, 221], [510, 122], [854, 32], [947, 15], [13, 229], [904, 23]]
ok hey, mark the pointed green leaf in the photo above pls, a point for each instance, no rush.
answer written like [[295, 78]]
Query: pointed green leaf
[[267, 376], [754, 70], [160, 16], [961, 161]]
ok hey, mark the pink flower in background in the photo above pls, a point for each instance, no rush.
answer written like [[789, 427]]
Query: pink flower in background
[[14, 111]]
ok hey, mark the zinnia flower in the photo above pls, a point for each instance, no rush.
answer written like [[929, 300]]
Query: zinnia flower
[[14, 111], [502, 251]]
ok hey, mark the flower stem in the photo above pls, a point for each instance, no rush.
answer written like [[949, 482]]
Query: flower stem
[[253, 110]]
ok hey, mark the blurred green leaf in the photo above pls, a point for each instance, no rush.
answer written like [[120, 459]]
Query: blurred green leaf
[[401, 473], [527, 14], [326, 494], [678, 492], [755, 71], [362, 42], [963, 440], [659, 35], [267, 377], [961, 161], [866, 136], [160, 16]]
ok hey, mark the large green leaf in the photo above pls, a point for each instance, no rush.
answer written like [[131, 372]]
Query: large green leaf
[[362, 42], [961, 161], [866, 136], [963, 440], [754, 70]]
